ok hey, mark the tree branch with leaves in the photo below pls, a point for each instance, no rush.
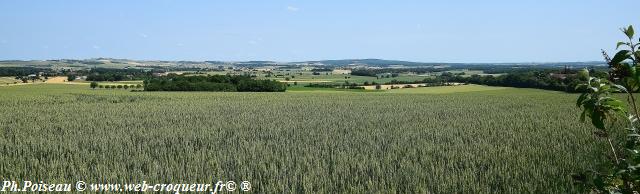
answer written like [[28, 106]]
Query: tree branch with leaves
[[605, 110]]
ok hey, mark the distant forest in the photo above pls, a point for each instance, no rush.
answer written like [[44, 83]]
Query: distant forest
[[22, 71], [105, 74], [530, 79], [216, 83]]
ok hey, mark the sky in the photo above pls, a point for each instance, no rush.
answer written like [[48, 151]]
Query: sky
[[465, 31]]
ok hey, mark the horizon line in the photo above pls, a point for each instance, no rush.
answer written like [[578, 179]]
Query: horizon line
[[298, 61]]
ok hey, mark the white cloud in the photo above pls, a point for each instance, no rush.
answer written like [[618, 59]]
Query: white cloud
[[292, 8], [143, 35], [96, 47]]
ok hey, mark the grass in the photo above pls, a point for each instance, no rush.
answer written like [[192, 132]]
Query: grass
[[482, 140]]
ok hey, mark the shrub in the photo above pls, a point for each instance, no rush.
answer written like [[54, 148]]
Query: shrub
[[93, 85]]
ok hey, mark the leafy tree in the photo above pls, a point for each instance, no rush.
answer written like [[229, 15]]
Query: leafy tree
[[93, 85], [126, 87], [119, 86], [71, 77], [605, 111], [101, 86], [138, 86]]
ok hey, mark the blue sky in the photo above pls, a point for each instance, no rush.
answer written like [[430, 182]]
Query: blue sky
[[296, 30]]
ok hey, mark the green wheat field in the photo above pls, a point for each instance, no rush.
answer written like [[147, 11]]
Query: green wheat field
[[468, 139]]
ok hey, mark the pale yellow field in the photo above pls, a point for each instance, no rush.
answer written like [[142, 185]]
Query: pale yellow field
[[8, 80], [59, 79]]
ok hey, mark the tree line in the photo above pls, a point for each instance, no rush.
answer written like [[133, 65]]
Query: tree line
[[95, 85], [105, 74], [544, 79], [22, 71], [217, 83], [547, 79]]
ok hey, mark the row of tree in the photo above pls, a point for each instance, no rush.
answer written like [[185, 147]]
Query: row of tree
[[95, 85], [543, 79], [218, 83]]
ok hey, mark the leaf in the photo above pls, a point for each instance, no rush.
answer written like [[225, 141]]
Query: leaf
[[620, 56], [629, 31], [620, 87], [620, 44], [597, 119], [612, 102], [582, 97]]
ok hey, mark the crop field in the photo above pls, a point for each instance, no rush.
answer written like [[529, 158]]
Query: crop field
[[8, 80], [448, 89], [464, 139]]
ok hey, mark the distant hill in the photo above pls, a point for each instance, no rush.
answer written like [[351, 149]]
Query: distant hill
[[372, 62], [127, 63], [384, 63]]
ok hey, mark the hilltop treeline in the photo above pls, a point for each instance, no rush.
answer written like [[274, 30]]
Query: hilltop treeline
[[105, 74], [530, 79], [216, 83], [488, 69], [22, 71], [376, 72]]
